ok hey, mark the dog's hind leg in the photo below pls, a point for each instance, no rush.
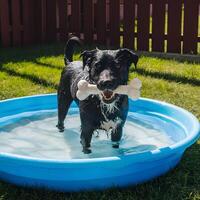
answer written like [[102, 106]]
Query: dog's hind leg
[[64, 101]]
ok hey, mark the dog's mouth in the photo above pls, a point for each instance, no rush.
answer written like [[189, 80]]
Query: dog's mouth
[[108, 96]]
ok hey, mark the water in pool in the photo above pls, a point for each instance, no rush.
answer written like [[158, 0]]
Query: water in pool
[[35, 134]]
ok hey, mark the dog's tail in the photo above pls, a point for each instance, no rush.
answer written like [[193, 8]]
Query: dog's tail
[[69, 49]]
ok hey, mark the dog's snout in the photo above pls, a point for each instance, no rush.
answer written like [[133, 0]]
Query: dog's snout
[[106, 81], [105, 84]]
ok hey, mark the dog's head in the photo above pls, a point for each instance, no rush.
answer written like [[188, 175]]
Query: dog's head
[[108, 69]]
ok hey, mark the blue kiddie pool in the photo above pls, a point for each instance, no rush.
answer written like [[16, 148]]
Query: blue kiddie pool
[[34, 153]]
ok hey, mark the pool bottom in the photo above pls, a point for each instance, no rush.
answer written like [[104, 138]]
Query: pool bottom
[[34, 134]]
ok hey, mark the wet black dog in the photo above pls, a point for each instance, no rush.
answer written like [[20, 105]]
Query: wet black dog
[[107, 69]]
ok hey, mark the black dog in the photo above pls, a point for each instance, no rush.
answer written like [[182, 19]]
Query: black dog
[[107, 69]]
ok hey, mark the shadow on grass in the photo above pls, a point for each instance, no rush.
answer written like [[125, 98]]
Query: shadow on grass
[[168, 77], [30, 77], [33, 52], [30, 53]]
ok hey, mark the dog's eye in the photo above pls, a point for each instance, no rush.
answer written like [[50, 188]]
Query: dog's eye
[[98, 65], [117, 66]]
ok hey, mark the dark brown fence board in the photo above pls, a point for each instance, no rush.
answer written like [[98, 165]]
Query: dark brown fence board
[[191, 11], [43, 19], [28, 21], [4, 17], [75, 20], [158, 25], [88, 21], [16, 26], [129, 21], [114, 23], [51, 21], [101, 21], [62, 14], [143, 25], [37, 9], [174, 26]]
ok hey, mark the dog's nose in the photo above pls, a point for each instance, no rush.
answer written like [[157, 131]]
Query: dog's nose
[[105, 84]]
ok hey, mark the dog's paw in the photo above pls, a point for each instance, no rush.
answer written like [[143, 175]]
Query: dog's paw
[[115, 145], [60, 127], [87, 151]]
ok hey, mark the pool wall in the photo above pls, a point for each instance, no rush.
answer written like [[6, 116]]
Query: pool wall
[[96, 173]]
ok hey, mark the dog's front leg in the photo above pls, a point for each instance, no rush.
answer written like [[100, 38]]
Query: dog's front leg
[[86, 137], [116, 134]]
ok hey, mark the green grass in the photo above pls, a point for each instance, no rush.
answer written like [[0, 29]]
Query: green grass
[[37, 70]]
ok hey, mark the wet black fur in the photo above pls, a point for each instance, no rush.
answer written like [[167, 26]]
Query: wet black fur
[[107, 69]]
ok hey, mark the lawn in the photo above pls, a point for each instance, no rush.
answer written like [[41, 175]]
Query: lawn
[[36, 70]]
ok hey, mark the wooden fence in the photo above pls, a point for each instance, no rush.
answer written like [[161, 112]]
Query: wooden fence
[[144, 25]]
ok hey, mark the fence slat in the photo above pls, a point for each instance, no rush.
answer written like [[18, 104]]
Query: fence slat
[[75, 20], [114, 23], [88, 21], [158, 25], [51, 21], [43, 19], [4, 17], [174, 26], [143, 25], [38, 20], [190, 39], [62, 14], [129, 23], [101, 21], [16, 23], [28, 21]]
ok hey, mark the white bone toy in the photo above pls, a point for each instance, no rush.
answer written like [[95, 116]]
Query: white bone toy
[[132, 89]]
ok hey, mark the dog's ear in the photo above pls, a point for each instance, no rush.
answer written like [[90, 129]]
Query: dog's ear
[[127, 56], [88, 57]]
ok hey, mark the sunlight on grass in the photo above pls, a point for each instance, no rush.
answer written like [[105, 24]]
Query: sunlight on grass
[[55, 61], [183, 69]]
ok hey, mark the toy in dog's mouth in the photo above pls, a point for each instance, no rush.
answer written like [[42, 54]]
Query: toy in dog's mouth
[[108, 96]]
